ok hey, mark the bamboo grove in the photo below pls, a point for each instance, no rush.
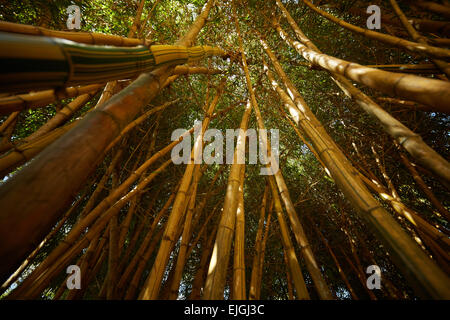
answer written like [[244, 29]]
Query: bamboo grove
[[86, 140]]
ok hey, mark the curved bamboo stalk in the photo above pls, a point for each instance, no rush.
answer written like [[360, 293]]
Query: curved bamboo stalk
[[397, 42], [412, 142], [411, 259], [80, 37], [444, 66], [433, 7], [64, 63], [39, 99], [24, 204]]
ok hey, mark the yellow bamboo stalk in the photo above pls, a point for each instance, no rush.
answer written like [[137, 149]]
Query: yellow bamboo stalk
[[434, 93], [63, 115], [398, 42], [257, 251], [215, 281], [81, 37], [299, 233], [296, 272], [46, 271], [43, 98], [142, 256], [53, 184], [422, 185], [407, 254], [239, 291], [153, 283], [185, 239], [442, 65]]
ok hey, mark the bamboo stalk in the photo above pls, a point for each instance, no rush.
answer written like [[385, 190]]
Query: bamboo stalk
[[394, 41], [153, 282], [433, 7], [296, 272], [40, 99], [412, 142], [442, 65], [81, 37], [257, 251], [25, 204], [422, 185], [300, 236], [185, 239], [410, 258], [46, 270], [215, 281], [336, 261], [63, 115], [239, 291], [434, 93]]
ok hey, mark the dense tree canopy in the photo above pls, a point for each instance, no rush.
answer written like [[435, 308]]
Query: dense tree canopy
[[363, 178]]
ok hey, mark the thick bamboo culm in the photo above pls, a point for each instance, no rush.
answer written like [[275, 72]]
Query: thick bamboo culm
[[401, 246], [218, 265], [407, 68], [88, 181], [74, 64], [434, 93], [412, 142], [89, 138]]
